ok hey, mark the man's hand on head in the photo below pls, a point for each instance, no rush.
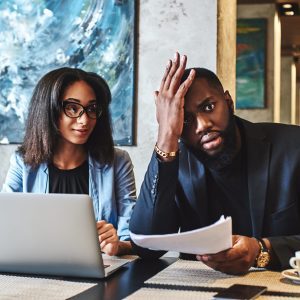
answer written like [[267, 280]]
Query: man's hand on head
[[169, 102]]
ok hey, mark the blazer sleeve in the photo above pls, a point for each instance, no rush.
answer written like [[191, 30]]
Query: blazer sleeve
[[14, 178], [156, 211], [285, 247], [125, 192]]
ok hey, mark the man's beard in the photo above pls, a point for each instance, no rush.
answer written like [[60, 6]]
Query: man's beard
[[226, 155]]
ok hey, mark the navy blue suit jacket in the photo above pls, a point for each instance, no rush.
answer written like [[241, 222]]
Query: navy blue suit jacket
[[174, 194]]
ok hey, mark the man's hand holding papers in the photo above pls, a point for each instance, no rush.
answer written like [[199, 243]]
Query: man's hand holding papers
[[236, 260], [214, 245], [211, 239]]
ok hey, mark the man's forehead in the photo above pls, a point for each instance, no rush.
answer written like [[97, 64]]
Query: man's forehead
[[201, 89]]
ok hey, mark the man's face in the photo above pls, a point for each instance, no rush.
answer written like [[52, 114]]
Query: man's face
[[209, 127]]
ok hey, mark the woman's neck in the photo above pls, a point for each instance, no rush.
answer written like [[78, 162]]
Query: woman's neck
[[69, 156]]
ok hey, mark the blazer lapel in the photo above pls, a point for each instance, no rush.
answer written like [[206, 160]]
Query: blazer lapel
[[195, 188], [258, 153], [199, 200]]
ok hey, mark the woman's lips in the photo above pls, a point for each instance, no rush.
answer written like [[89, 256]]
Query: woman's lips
[[81, 131]]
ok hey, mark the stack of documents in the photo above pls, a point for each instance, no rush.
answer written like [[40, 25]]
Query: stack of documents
[[206, 240]]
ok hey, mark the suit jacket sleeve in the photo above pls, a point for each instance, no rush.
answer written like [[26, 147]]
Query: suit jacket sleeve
[[156, 211], [284, 248]]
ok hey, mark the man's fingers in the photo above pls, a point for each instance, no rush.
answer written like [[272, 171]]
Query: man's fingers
[[163, 81], [174, 66], [224, 256], [183, 88], [155, 96], [175, 81]]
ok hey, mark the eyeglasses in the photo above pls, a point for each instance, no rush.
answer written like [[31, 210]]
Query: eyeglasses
[[76, 110]]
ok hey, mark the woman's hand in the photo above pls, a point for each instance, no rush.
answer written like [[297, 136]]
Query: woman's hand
[[108, 238]]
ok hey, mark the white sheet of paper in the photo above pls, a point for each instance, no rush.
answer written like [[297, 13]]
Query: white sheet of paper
[[206, 240]]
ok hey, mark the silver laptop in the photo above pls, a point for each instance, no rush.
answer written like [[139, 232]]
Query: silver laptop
[[51, 234]]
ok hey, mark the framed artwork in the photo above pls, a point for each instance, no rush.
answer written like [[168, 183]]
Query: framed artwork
[[251, 63], [40, 35]]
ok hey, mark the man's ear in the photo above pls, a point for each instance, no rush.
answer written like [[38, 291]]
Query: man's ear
[[229, 100]]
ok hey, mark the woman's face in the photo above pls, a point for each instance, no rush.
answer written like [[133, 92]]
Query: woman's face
[[77, 128]]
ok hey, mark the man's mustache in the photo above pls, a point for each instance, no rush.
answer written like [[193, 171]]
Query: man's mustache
[[208, 132]]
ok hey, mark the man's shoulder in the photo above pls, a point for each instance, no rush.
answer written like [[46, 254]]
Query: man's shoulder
[[274, 133], [268, 127]]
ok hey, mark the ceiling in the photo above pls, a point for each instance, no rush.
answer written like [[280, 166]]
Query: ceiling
[[290, 31]]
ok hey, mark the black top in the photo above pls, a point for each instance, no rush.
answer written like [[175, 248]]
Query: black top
[[228, 193], [74, 181]]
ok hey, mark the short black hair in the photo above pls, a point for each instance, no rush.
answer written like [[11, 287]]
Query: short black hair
[[202, 73], [45, 107]]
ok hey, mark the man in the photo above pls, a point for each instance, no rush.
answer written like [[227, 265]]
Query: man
[[222, 165]]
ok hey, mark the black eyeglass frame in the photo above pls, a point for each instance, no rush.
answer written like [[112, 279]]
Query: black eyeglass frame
[[83, 110]]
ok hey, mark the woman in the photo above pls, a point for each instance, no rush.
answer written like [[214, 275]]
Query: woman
[[68, 148]]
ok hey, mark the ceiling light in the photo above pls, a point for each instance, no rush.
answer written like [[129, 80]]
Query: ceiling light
[[288, 9], [287, 6], [289, 13]]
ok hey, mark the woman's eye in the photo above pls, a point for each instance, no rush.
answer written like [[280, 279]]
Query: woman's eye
[[92, 108], [72, 108]]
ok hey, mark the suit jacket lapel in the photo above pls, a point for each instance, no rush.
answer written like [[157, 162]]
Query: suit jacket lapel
[[258, 154], [195, 181]]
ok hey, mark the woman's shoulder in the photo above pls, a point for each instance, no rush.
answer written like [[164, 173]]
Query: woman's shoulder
[[121, 157], [121, 154], [17, 158], [17, 161]]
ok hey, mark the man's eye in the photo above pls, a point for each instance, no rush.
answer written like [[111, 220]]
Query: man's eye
[[209, 107]]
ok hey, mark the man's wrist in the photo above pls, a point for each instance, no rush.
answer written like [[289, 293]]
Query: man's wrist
[[165, 154], [263, 258]]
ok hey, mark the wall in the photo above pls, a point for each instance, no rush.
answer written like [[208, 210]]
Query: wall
[[298, 103], [5, 153], [288, 91], [226, 41], [189, 27], [273, 56]]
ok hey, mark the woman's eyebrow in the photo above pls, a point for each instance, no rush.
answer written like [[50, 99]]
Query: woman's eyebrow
[[78, 101]]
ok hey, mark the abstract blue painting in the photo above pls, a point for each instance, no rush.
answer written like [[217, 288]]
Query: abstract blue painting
[[251, 63], [40, 35]]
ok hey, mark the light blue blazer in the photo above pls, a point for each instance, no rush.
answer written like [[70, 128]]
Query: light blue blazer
[[112, 188]]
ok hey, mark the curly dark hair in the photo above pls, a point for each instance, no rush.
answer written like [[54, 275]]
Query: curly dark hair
[[44, 110], [211, 78]]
